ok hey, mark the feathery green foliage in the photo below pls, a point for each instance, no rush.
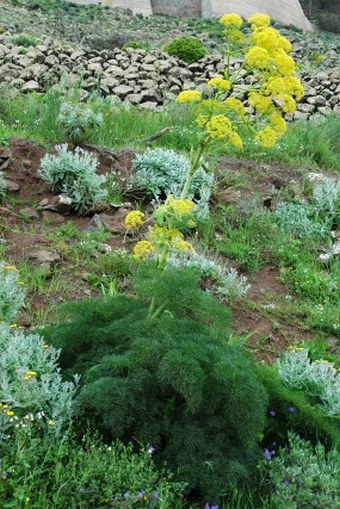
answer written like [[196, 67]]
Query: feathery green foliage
[[173, 381]]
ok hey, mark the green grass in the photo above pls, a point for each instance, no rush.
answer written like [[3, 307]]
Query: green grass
[[313, 144]]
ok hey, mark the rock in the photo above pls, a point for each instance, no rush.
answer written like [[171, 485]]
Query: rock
[[95, 224], [43, 258], [61, 203], [122, 91], [5, 157], [24, 319], [332, 253], [28, 212], [52, 217], [115, 223], [31, 86], [11, 186]]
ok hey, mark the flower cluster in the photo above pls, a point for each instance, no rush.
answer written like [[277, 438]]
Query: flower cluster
[[272, 91], [134, 219]]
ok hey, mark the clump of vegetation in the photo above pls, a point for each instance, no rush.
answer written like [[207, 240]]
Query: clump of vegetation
[[25, 40], [320, 380], [73, 174], [302, 476], [90, 474], [77, 120], [169, 378], [189, 49], [12, 293], [160, 173]]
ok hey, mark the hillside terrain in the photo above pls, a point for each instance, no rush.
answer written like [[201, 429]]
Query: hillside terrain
[[200, 262]]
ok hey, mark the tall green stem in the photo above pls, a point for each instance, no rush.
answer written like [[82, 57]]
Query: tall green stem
[[193, 167]]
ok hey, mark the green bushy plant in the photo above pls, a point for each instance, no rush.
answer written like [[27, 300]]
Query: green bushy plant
[[304, 477], [25, 40], [292, 410], [320, 380], [73, 174], [168, 378], [54, 474], [187, 48], [162, 172], [12, 293], [31, 385], [77, 120]]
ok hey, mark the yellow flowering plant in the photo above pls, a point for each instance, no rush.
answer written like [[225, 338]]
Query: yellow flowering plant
[[271, 90]]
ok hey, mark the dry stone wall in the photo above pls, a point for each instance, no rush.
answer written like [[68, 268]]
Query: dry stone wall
[[141, 78]]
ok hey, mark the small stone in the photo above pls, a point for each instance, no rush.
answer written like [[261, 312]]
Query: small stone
[[31, 86], [52, 217], [28, 212], [94, 225], [229, 196], [59, 203], [115, 223], [43, 258], [11, 186]]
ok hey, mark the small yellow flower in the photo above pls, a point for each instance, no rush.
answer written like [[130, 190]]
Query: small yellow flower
[[267, 137], [143, 249], [10, 413], [259, 20], [257, 57], [11, 267], [21, 283], [31, 373], [180, 207], [13, 326], [220, 83], [184, 246], [235, 139], [189, 96], [134, 219], [235, 105], [219, 127], [278, 123], [51, 423], [45, 346], [231, 20]]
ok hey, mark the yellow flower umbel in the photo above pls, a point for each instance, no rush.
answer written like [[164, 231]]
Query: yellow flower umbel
[[221, 84], [235, 105], [219, 127], [143, 249], [233, 20], [267, 137], [189, 97], [259, 21], [258, 58], [134, 220]]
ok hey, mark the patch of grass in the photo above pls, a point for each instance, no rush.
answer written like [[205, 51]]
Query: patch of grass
[[314, 144]]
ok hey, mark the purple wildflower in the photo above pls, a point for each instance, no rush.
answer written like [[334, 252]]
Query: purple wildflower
[[286, 483], [272, 413], [292, 409], [151, 449]]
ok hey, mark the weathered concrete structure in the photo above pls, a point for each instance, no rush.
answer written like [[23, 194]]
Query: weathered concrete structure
[[288, 12]]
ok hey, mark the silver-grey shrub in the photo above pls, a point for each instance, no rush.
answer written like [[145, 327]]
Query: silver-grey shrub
[[31, 383], [297, 220], [77, 120], [12, 293], [326, 200], [73, 174], [319, 379], [304, 477], [162, 172], [225, 282]]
